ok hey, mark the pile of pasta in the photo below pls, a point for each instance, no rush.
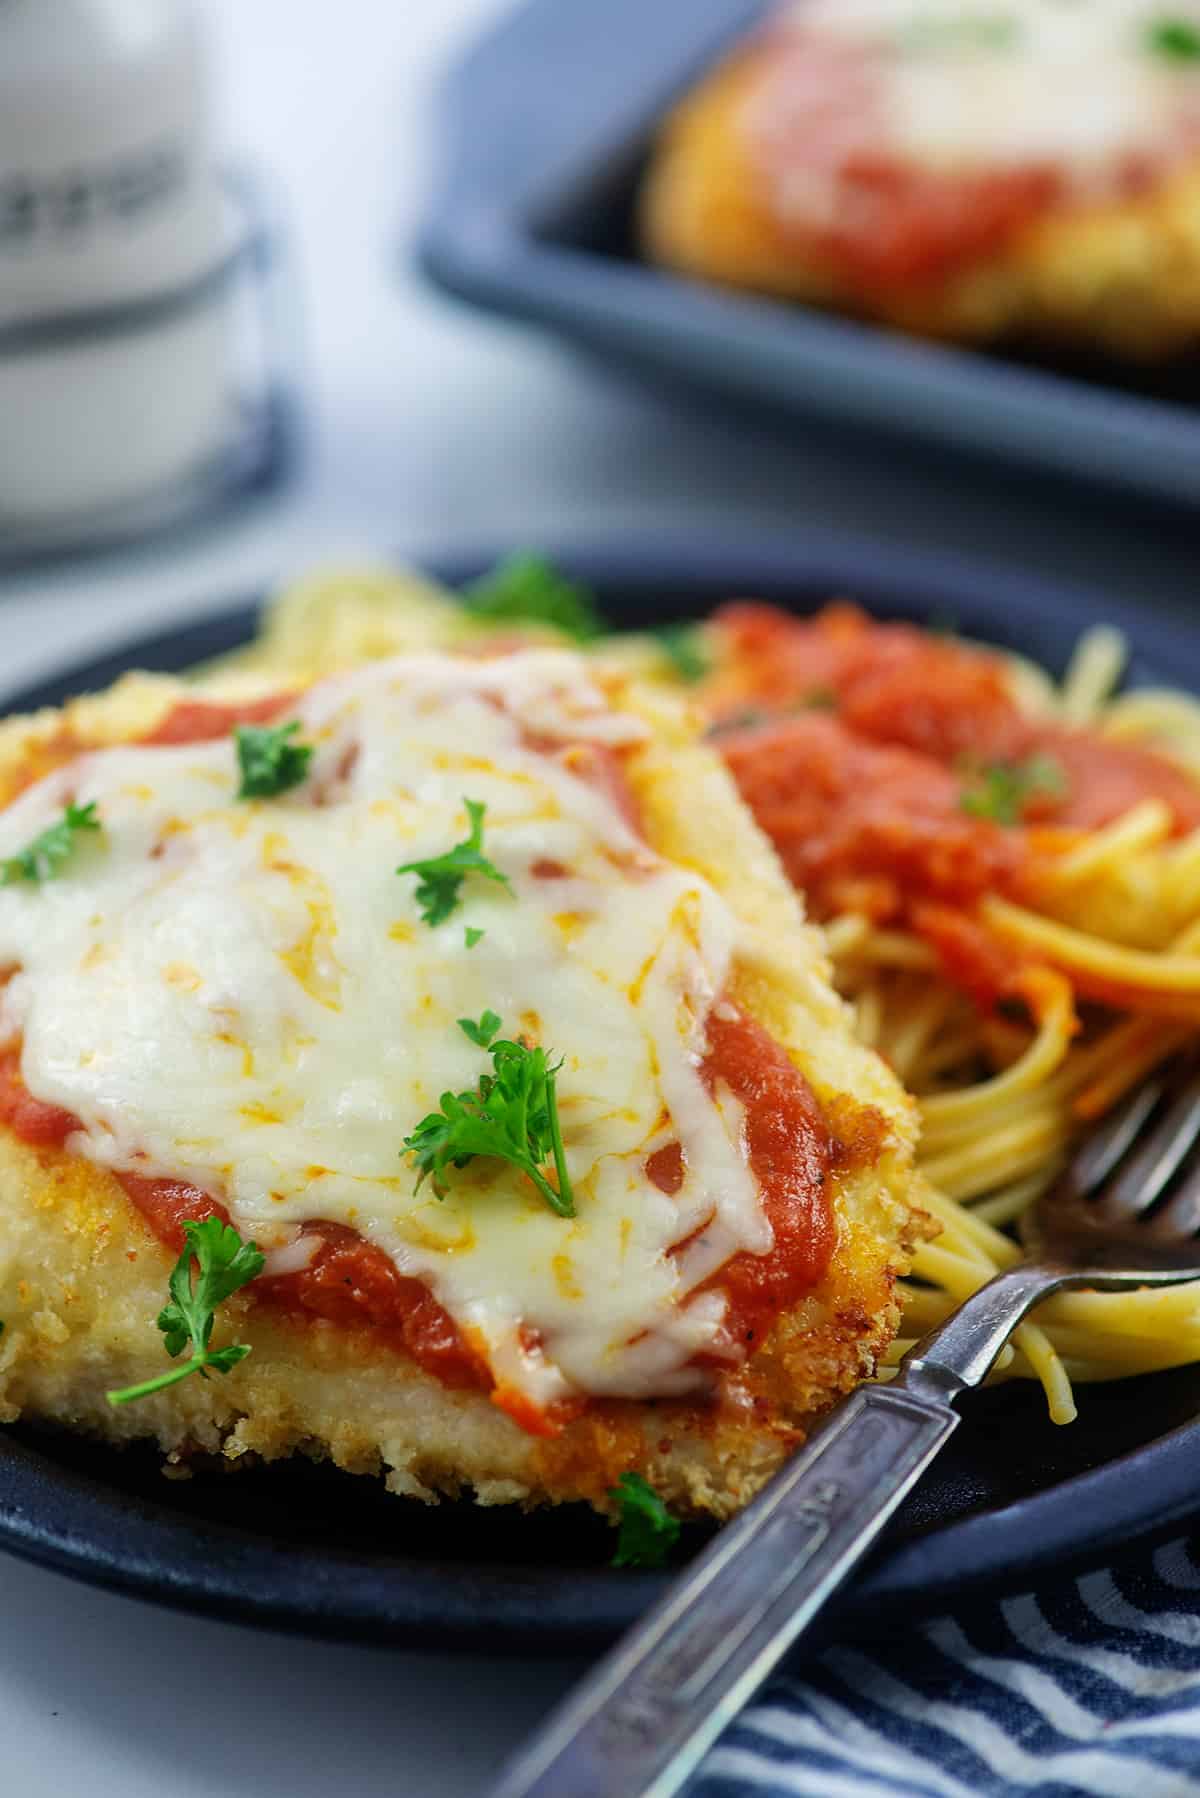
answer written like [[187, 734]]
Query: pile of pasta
[[1103, 948], [1126, 902]]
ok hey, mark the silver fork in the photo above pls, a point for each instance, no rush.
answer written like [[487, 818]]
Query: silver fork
[[1125, 1213]]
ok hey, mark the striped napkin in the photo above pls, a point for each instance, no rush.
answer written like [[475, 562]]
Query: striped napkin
[[1089, 1686]]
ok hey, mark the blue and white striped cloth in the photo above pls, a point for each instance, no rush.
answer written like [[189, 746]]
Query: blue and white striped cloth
[[1084, 1687]]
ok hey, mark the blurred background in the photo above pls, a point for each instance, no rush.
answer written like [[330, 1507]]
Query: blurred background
[[374, 413]]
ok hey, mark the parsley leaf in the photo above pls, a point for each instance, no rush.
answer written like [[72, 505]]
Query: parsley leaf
[[442, 875], [1176, 39], [1001, 790], [512, 1115], [683, 645], [648, 1531], [48, 853], [269, 762], [483, 1033], [524, 587], [223, 1263], [471, 936]]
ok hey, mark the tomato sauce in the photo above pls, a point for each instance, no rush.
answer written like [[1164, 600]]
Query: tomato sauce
[[900, 224], [862, 826], [46, 1126], [819, 109], [908, 688], [863, 795], [355, 1285], [600, 765], [1104, 780], [789, 1149], [790, 1152], [188, 721], [167, 1205], [980, 964], [204, 720]]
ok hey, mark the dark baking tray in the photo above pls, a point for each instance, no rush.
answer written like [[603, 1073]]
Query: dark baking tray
[[544, 128], [309, 1549]]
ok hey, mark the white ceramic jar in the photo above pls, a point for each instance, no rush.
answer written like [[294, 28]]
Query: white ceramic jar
[[115, 378]]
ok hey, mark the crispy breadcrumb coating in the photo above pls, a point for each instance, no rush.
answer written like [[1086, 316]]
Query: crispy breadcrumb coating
[[82, 1278]]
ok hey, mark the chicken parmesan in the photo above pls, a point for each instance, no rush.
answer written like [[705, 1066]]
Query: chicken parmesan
[[1005, 865], [467, 990], [978, 170]]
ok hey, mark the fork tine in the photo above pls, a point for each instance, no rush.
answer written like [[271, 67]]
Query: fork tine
[[1180, 1216], [1144, 1175], [1108, 1144]]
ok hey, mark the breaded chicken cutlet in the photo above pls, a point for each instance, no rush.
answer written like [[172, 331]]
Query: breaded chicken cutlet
[[468, 990], [984, 173]]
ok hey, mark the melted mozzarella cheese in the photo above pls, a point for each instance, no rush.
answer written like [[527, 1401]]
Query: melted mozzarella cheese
[[245, 995], [982, 85]]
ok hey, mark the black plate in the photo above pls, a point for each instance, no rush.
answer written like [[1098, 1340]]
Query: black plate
[[546, 125], [311, 1549]]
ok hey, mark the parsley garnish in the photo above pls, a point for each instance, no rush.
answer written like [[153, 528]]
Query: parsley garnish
[[648, 1531], [269, 761], [471, 936], [817, 699], [1176, 39], [223, 1263], [48, 853], [512, 1115], [442, 875], [485, 1032], [683, 645], [526, 587], [1001, 790]]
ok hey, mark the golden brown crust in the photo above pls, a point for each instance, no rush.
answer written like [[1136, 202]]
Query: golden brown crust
[[1121, 277], [82, 1280]]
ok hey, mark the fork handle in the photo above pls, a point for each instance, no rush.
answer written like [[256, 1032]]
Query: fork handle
[[643, 1718], [639, 1724]]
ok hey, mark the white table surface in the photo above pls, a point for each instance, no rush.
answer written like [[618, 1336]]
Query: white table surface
[[425, 424]]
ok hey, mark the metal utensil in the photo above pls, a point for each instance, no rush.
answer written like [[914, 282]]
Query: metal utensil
[[1125, 1213]]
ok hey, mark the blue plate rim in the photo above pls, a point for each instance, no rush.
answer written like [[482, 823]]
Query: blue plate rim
[[64, 1520]]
